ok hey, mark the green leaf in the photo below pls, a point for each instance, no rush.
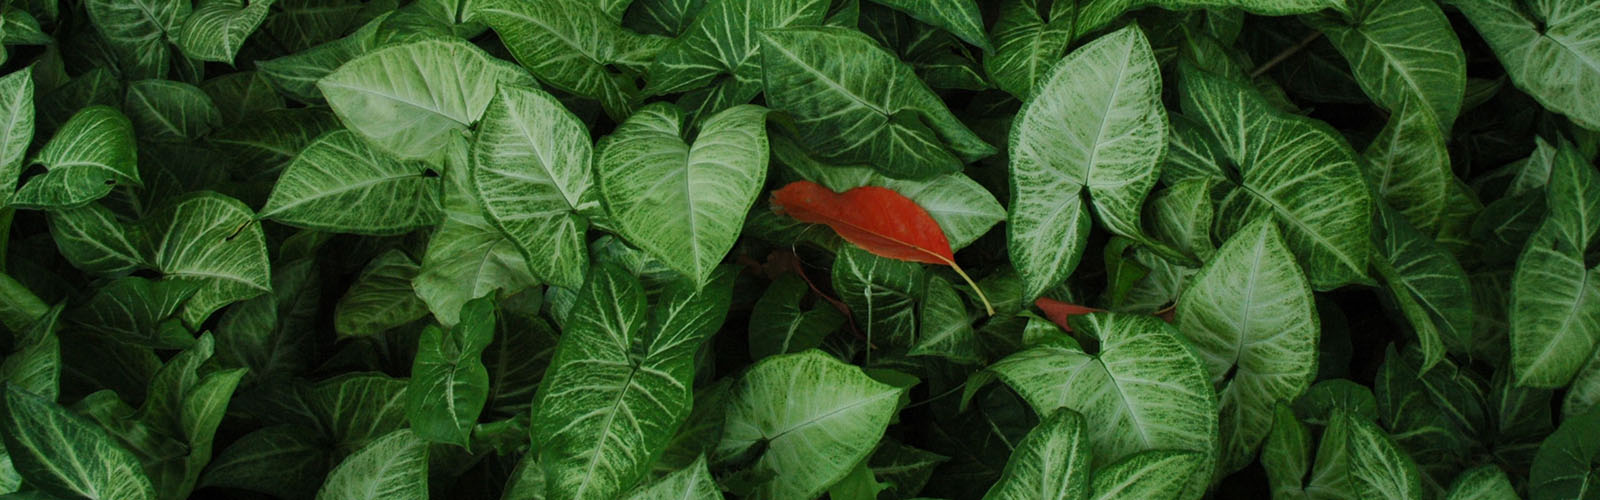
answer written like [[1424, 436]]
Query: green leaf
[[690, 483], [65, 454], [836, 85], [1401, 51], [1485, 482], [1052, 463], [16, 127], [1428, 284], [263, 145], [243, 95], [959, 17], [808, 416], [1410, 167], [533, 183], [381, 298], [1151, 474], [1094, 128], [88, 157], [138, 311], [394, 467], [1144, 390], [964, 209], [272, 335], [1555, 300], [1548, 49], [286, 461], [467, 256], [34, 363], [1027, 43], [1286, 453], [1583, 394], [217, 28], [212, 239], [715, 59], [574, 46], [683, 203], [338, 183], [1564, 467], [449, 384], [1357, 459], [779, 324], [1292, 167], [407, 99], [620, 381], [296, 74], [95, 240], [168, 111], [944, 326], [137, 31], [881, 294], [1249, 314]]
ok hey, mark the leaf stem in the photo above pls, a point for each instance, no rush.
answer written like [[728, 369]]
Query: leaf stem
[[987, 307], [1305, 42]]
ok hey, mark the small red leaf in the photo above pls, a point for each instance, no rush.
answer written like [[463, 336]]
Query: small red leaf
[[876, 219], [1059, 311]]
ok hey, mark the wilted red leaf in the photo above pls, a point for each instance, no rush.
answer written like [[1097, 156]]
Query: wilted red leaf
[[876, 219], [1058, 311]]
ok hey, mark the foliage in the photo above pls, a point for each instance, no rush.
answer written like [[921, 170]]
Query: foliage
[[795, 249]]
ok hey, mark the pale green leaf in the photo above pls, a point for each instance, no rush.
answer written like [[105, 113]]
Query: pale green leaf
[[533, 181], [1249, 313], [1286, 453], [572, 45], [963, 208], [217, 28], [718, 52], [393, 467], [682, 203], [808, 419], [67, 455], [620, 381], [449, 384], [1144, 390], [1151, 474], [944, 327], [1550, 49], [16, 127], [381, 298], [1051, 463], [1377, 468], [854, 103], [340, 184], [1583, 394], [1555, 299], [467, 256], [34, 363], [1292, 167], [1094, 128], [1400, 51], [87, 158], [212, 239], [1486, 482], [412, 99]]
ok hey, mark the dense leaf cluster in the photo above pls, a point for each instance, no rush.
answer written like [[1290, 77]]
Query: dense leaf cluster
[[524, 249]]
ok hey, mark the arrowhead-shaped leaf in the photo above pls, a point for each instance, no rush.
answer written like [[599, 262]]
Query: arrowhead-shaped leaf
[[683, 203], [338, 183], [88, 157]]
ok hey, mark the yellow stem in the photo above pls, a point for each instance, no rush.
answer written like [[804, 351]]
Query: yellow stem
[[987, 307]]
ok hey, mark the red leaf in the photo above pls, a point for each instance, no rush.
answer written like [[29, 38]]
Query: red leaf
[[876, 219], [1059, 311]]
